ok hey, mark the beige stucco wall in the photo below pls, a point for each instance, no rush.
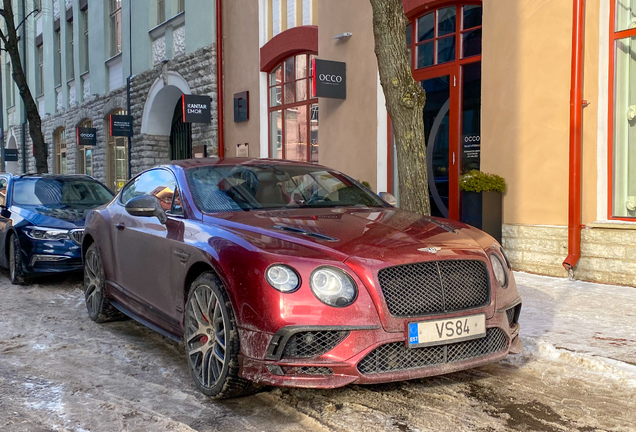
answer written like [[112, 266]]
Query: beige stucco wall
[[590, 114], [348, 128], [525, 103], [241, 73]]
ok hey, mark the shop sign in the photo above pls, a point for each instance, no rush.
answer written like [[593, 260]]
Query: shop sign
[[196, 109], [121, 125], [471, 152], [86, 136], [10, 155], [330, 79], [241, 107]]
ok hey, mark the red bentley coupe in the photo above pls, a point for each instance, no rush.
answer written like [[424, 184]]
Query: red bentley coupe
[[292, 274]]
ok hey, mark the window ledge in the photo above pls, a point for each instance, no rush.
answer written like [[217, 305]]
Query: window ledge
[[613, 224], [173, 22], [113, 59], [71, 81], [84, 74], [58, 86]]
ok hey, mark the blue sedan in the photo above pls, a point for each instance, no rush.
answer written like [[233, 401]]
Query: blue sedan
[[42, 222]]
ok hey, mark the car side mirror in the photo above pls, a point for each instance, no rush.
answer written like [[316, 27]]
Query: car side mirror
[[146, 206], [390, 199]]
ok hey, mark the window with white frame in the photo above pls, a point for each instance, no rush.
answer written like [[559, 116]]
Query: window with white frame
[[115, 27]]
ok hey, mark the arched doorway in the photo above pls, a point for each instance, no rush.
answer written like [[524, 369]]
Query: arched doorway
[[445, 46], [180, 135]]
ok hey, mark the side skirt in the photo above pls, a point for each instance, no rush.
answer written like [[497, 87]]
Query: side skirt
[[145, 322]]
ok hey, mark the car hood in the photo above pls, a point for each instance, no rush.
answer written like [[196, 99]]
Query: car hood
[[389, 236], [63, 218]]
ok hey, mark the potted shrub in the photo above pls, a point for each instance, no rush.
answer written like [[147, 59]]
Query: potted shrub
[[482, 201]]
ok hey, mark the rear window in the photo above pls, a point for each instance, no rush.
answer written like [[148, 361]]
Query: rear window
[[59, 192]]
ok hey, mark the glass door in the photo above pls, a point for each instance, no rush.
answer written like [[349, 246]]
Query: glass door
[[437, 135]]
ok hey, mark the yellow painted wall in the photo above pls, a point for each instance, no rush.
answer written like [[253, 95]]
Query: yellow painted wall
[[525, 103], [241, 62], [590, 114], [348, 128]]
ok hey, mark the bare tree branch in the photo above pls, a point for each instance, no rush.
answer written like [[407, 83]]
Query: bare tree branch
[[12, 47]]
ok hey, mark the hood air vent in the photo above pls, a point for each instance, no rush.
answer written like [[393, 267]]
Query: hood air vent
[[305, 233]]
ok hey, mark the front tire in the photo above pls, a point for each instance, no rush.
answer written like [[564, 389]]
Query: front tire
[[211, 340], [97, 305], [16, 270]]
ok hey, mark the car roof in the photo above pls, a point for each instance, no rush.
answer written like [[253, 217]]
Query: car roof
[[51, 176], [192, 163]]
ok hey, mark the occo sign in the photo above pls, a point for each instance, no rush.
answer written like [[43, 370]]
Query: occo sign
[[330, 78]]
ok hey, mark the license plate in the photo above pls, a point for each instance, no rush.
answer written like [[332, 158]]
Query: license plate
[[445, 331]]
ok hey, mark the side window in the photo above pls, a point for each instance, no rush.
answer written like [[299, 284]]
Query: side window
[[177, 208], [3, 191], [158, 182]]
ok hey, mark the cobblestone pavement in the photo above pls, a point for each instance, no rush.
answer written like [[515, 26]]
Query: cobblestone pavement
[[60, 371]]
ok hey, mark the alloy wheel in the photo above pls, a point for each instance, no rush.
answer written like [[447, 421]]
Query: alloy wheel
[[206, 334], [11, 260], [93, 282]]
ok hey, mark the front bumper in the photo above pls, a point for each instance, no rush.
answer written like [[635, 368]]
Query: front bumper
[[347, 362], [51, 256]]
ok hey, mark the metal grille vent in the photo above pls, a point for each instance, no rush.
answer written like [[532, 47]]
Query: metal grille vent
[[397, 357], [77, 235], [435, 287], [307, 370], [313, 343], [513, 315]]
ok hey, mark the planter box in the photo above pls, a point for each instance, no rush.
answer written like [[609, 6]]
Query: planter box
[[483, 210]]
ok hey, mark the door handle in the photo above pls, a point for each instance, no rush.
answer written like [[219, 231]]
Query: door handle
[[120, 226], [183, 255]]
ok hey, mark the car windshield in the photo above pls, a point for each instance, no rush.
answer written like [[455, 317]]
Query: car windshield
[[254, 187], [59, 193]]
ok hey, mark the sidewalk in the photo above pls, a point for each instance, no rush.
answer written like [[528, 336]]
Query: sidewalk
[[590, 324]]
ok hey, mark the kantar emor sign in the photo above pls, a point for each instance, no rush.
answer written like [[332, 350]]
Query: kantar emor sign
[[196, 109], [330, 79]]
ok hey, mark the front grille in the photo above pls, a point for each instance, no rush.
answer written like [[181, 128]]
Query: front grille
[[435, 287], [77, 235], [396, 356], [313, 343], [307, 370]]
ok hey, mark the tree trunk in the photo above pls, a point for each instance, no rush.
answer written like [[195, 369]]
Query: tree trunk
[[405, 100], [11, 42]]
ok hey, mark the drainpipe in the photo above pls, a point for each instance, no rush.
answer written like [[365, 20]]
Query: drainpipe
[[128, 84], [576, 131], [219, 75]]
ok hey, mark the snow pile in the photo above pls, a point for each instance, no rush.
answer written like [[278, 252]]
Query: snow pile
[[580, 323]]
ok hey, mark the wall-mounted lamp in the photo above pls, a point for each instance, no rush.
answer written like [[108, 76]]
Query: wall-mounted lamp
[[345, 35]]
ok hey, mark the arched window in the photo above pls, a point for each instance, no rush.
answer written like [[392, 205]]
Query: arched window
[[117, 157], [293, 112], [85, 154], [59, 139]]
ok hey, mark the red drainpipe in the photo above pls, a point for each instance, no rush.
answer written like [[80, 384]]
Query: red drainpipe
[[219, 75], [576, 131]]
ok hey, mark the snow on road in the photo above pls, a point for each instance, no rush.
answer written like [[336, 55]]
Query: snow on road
[[60, 371]]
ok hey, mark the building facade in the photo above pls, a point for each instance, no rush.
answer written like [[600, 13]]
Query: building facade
[[81, 57], [498, 76]]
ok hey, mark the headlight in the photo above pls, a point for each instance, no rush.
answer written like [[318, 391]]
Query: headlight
[[283, 278], [42, 233], [499, 269], [333, 286]]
